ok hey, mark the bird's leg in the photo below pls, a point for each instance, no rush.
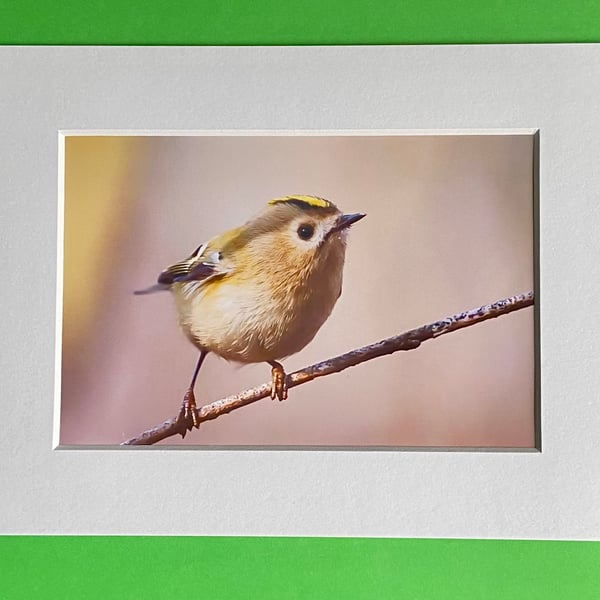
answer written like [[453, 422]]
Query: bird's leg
[[189, 415], [278, 383]]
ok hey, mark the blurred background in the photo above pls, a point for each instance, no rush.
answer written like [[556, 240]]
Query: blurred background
[[449, 227]]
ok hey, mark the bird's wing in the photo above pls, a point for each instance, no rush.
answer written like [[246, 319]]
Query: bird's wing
[[201, 266], [204, 263]]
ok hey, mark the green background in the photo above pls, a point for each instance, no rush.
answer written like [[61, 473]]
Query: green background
[[299, 568], [280, 568], [306, 22]]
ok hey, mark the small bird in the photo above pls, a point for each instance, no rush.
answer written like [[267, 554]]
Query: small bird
[[260, 292]]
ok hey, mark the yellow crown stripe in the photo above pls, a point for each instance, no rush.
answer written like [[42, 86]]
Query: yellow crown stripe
[[313, 201]]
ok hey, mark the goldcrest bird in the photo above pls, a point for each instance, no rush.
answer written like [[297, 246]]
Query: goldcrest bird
[[260, 292]]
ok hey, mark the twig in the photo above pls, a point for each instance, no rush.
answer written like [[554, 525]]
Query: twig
[[405, 341]]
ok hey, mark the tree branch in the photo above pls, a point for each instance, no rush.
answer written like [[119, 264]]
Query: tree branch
[[405, 341]]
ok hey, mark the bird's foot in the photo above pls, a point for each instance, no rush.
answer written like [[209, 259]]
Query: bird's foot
[[278, 382], [189, 415]]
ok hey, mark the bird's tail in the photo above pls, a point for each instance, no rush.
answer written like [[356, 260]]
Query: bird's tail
[[157, 287]]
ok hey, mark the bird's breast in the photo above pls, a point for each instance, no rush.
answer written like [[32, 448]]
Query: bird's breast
[[261, 320]]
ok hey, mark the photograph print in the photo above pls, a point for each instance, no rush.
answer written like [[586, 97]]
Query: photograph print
[[274, 290]]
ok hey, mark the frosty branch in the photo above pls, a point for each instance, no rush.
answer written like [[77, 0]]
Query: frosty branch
[[405, 341]]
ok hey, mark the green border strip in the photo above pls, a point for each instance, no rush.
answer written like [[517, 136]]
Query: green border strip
[[272, 22], [295, 568]]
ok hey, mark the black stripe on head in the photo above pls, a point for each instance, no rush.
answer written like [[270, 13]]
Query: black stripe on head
[[306, 202]]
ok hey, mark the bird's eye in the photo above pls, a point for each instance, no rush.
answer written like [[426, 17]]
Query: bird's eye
[[306, 231]]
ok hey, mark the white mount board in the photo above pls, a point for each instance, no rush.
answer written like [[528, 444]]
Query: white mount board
[[554, 494]]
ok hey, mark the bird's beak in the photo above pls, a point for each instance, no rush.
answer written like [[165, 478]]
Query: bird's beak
[[344, 221]]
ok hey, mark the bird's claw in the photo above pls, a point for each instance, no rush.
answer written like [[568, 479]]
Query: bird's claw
[[189, 415], [278, 382]]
